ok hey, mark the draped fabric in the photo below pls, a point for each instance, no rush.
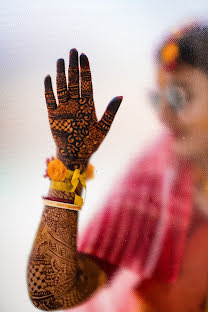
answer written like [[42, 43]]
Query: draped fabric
[[142, 225]]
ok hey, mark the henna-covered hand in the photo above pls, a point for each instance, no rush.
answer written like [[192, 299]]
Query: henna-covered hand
[[76, 131]]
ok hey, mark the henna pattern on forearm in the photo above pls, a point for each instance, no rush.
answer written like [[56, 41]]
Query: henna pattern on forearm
[[57, 277]]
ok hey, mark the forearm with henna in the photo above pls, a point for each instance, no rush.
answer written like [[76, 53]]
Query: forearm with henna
[[57, 276]]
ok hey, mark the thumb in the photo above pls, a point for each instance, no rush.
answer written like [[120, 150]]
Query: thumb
[[105, 122]]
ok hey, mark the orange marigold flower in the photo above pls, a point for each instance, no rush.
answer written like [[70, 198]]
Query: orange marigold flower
[[170, 52], [56, 170], [90, 171]]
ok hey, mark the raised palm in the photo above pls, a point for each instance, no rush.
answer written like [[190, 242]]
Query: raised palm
[[73, 122]]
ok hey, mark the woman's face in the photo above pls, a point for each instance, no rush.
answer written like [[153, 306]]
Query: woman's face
[[187, 118]]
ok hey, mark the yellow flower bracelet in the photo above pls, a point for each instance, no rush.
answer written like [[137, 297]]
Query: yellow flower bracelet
[[58, 173]]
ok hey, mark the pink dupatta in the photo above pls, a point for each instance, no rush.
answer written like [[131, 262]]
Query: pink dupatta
[[143, 224]]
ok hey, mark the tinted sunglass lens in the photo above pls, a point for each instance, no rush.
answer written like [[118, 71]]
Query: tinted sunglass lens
[[175, 97]]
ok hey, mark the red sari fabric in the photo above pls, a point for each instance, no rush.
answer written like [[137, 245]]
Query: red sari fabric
[[143, 224]]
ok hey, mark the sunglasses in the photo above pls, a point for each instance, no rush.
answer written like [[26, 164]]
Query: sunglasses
[[175, 96]]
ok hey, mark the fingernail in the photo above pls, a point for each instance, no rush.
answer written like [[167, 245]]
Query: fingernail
[[60, 65], [73, 58], [73, 50], [84, 60], [47, 82], [114, 104], [118, 98]]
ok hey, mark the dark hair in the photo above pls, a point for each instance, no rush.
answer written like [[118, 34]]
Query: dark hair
[[193, 47]]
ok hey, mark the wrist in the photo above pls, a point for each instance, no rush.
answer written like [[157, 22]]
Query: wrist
[[61, 195], [66, 182], [72, 164]]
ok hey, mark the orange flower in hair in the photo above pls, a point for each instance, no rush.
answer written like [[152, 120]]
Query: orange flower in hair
[[169, 55], [170, 52], [56, 170]]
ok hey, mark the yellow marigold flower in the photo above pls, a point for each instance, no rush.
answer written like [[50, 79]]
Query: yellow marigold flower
[[56, 170], [170, 52], [90, 171]]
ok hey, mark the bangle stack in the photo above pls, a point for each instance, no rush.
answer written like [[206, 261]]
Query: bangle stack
[[65, 180]]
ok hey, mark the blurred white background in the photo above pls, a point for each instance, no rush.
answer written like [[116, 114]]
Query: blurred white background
[[119, 38]]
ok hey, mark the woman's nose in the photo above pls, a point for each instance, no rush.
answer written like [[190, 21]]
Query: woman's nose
[[166, 114]]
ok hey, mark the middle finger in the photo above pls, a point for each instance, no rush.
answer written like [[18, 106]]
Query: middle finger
[[73, 75]]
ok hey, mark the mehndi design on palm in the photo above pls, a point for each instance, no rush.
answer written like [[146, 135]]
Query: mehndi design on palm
[[73, 122]]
